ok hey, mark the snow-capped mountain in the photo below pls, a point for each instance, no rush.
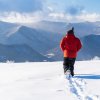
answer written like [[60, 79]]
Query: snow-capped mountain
[[7, 29], [39, 40], [34, 41]]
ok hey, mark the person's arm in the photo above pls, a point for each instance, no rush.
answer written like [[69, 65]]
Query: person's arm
[[79, 46], [62, 44]]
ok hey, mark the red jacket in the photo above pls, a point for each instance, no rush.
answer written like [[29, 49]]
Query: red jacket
[[70, 45]]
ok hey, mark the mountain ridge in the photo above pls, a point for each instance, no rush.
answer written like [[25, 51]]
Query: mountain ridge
[[46, 42], [20, 53]]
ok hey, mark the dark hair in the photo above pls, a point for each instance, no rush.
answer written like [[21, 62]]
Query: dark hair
[[71, 31]]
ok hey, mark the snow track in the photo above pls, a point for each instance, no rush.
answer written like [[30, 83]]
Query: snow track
[[77, 87]]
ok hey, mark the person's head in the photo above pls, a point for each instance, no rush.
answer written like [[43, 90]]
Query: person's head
[[71, 31]]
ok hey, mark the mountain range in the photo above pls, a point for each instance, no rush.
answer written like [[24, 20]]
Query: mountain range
[[40, 41]]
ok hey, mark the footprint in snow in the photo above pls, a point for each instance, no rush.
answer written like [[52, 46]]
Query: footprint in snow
[[78, 88]]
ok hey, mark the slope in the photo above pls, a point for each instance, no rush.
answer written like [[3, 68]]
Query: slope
[[20, 53], [91, 47], [37, 39]]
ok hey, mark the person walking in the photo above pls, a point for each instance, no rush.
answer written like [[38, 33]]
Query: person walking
[[70, 45]]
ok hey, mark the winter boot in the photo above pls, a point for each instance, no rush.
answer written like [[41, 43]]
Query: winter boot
[[72, 73]]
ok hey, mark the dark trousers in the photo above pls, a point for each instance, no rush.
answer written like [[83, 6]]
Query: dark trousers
[[68, 64]]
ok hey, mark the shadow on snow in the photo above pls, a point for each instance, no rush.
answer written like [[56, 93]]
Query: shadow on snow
[[88, 76]]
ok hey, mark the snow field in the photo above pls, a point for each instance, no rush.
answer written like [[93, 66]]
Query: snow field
[[46, 81]]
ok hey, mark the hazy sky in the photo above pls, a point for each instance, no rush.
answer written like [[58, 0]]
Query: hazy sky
[[53, 10]]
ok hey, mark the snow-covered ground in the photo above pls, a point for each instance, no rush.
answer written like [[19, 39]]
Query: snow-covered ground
[[45, 81]]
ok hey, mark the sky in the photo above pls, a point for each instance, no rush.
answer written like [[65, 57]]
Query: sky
[[29, 11]]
